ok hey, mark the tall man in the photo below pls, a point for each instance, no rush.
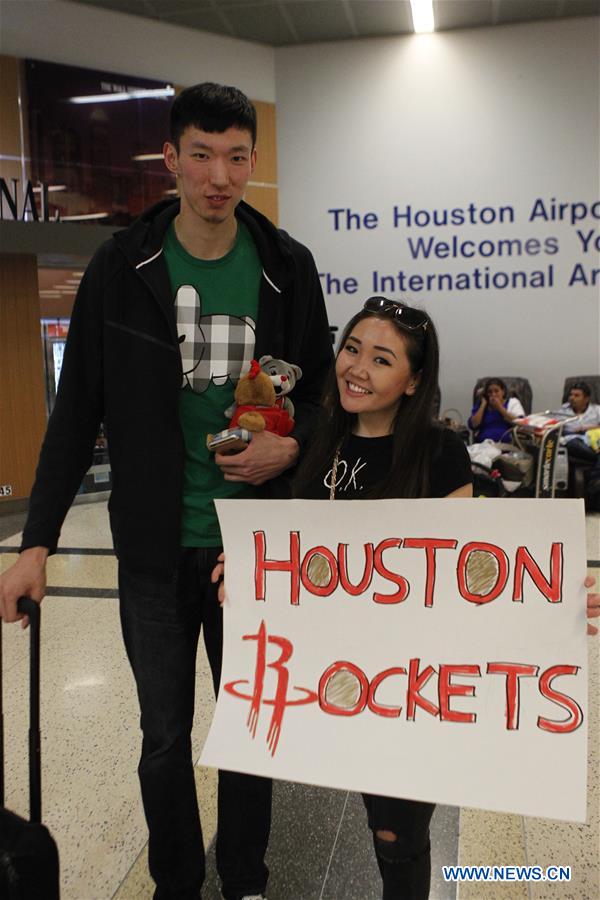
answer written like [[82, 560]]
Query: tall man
[[169, 313]]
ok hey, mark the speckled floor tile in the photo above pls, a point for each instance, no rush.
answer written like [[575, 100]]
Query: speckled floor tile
[[137, 884], [487, 838], [444, 850], [86, 525], [353, 871], [69, 570], [305, 825]]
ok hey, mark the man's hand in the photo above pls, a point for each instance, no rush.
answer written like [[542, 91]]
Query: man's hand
[[266, 456], [27, 577]]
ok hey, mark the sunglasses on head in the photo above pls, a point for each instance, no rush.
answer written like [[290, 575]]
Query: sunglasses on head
[[405, 316]]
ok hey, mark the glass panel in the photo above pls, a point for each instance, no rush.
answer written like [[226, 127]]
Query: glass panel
[[90, 136]]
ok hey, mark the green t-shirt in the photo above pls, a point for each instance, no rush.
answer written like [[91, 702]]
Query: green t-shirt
[[216, 304]]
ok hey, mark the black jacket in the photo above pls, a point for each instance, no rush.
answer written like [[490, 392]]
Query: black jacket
[[122, 364]]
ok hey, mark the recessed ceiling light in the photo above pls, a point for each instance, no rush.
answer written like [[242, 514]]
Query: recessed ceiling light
[[51, 188], [86, 217], [147, 157], [422, 16], [141, 94]]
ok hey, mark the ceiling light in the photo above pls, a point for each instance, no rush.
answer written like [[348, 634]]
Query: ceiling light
[[147, 157], [141, 94], [51, 188], [49, 293], [422, 16], [83, 218]]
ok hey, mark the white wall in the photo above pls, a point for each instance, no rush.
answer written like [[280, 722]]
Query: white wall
[[495, 117], [94, 38]]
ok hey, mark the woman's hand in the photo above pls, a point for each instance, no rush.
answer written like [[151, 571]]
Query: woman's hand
[[497, 404], [593, 605], [217, 575]]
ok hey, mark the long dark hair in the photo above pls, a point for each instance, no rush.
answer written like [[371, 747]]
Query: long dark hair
[[415, 435]]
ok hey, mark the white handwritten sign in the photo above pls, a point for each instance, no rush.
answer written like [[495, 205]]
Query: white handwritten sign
[[427, 649]]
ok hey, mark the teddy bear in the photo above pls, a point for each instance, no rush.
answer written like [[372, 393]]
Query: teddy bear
[[261, 401], [284, 376]]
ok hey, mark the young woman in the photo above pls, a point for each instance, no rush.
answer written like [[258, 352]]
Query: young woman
[[377, 429], [378, 439], [494, 412]]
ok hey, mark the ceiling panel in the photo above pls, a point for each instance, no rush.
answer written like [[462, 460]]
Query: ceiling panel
[[232, 4], [168, 7], [381, 17], [580, 8], [204, 19], [125, 6], [282, 22], [322, 21], [264, 23], [463, 14], [524, 10]]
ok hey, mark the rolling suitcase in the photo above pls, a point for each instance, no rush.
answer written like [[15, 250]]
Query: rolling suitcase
[[28, 852]]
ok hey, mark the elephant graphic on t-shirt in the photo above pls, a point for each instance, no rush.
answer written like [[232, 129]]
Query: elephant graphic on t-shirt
[[215, 348]]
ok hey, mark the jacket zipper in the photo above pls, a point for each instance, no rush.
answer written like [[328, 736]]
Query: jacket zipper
[[141, 334]]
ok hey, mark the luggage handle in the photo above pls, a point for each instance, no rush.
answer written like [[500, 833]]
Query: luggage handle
[[29, 607]]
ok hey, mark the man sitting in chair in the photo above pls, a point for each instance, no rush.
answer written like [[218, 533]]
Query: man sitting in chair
[[575, 434]]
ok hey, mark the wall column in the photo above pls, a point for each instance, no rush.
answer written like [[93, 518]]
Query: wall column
[[22, 404]]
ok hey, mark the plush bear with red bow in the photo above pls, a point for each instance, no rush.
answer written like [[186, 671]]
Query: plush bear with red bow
[[261, 398]]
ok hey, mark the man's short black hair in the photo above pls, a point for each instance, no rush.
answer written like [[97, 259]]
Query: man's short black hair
[[581, 386], [213, 108]]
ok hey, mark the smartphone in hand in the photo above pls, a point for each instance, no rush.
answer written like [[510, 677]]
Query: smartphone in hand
[[232, 440]]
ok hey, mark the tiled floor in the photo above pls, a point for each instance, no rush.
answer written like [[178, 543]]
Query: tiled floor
[[320, 846]]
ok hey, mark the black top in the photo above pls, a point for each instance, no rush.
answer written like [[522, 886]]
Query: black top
[[364, 460]]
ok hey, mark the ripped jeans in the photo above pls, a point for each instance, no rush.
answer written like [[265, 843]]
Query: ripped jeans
[[405, 864]]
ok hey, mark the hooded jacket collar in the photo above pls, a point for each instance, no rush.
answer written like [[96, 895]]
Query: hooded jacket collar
[[142, 242]]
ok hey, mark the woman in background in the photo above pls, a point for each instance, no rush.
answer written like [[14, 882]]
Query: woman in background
[[495, 412]]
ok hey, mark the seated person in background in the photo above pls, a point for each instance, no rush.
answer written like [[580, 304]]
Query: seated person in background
[[588, 417], [494, 412]]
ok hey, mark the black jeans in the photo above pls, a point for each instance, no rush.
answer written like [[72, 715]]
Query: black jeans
[[161, 625], [405, 864]]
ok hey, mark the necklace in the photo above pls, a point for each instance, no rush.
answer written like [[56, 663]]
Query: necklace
[[334, 469]]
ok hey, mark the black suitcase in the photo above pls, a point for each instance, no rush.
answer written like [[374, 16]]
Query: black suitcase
[[28, 852]]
